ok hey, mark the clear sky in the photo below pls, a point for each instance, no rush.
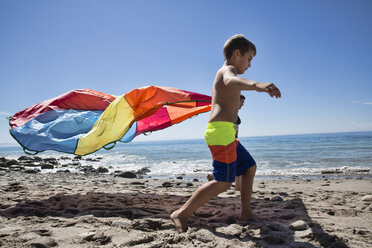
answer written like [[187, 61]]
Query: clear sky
[[318, 52]]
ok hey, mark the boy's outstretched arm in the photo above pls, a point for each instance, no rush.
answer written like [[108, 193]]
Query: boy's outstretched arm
[[231, 79]]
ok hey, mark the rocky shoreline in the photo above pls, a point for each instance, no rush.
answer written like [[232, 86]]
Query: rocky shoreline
[[36, 164]]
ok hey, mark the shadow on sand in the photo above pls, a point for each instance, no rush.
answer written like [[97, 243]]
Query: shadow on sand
[[216, 216]]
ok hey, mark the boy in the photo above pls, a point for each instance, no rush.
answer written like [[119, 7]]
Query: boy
[[220, 133]]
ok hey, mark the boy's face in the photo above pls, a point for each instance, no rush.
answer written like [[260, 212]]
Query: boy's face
[[243, 62]]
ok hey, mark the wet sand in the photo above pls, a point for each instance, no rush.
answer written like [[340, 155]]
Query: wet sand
[[98, 210]]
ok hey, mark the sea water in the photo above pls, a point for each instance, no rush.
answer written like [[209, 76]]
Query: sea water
[[277, 157]]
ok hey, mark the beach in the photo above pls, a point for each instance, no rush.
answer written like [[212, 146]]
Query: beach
[[96, 209]]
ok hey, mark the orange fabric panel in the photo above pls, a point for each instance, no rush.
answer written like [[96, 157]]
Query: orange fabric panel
[[224, 154], [145, 98], [178, 114]]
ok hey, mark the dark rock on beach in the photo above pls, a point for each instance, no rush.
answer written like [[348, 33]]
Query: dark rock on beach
[[47, 166], [102, 169], [126, 174]]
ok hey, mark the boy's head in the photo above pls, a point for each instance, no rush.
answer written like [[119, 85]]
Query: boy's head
[[239, 42], [239, 52], [242, 99]]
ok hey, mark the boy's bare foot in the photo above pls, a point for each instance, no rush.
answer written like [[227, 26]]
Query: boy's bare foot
[[249, 216], [210, 177], [181, 224]]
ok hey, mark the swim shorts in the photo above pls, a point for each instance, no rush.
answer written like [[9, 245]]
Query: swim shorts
[[230, 158]]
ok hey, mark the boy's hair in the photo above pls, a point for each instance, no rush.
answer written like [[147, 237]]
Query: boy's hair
[[237, 41]]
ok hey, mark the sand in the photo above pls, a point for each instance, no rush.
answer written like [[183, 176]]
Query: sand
[[98, 210]]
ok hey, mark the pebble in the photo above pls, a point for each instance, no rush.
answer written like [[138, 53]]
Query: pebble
[[44, 242], [47, 166], [167, 184], [367, 198], [126, 174], [299, 225], [277, 198], [121, 223], [102, 169]]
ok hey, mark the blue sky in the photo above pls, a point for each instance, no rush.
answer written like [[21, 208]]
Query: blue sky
[[318, 52]]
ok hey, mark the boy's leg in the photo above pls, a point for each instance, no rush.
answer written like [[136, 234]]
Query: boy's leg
[[246, 193], [238, 180], [200, 196]]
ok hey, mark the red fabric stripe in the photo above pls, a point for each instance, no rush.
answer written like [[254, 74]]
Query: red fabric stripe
[[157, 121], [84, 99], [199, 97]]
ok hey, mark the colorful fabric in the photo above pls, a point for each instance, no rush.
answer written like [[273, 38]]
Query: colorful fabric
[[83, 121]]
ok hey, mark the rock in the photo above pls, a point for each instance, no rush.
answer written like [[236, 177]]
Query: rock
[[195, 180], [137, 183], [100, 238], [167, 184], [88, 169], [47, 166], [12, 162], [367, 198], [360, 231], [299, 225], [32, 171], [43, 242], [53, 161], [102, 170], [4, 165], [277, 198], [121, 223], [126, 174], [325, 184], [304, 234], [179, 177], [25, 158]]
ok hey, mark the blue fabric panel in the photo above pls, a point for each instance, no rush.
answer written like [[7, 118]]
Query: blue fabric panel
[[129, 135], [56, 130]]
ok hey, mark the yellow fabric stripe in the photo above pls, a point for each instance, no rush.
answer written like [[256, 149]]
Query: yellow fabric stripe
[[220, 133], [111, 126]]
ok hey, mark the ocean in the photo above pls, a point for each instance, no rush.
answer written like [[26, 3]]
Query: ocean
[[277, 157]]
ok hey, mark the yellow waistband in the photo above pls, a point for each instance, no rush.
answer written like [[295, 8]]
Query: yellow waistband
[[220, 133], [214, 124]]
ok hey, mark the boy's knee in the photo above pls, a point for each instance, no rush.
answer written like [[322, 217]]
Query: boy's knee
[[226, 185]]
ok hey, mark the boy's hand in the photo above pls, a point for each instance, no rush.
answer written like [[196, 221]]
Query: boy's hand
[[270, 88]]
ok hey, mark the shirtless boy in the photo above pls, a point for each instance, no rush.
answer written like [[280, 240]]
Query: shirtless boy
[[220, 133]]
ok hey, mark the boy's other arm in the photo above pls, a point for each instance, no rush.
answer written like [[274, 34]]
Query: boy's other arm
[[231, 79]]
